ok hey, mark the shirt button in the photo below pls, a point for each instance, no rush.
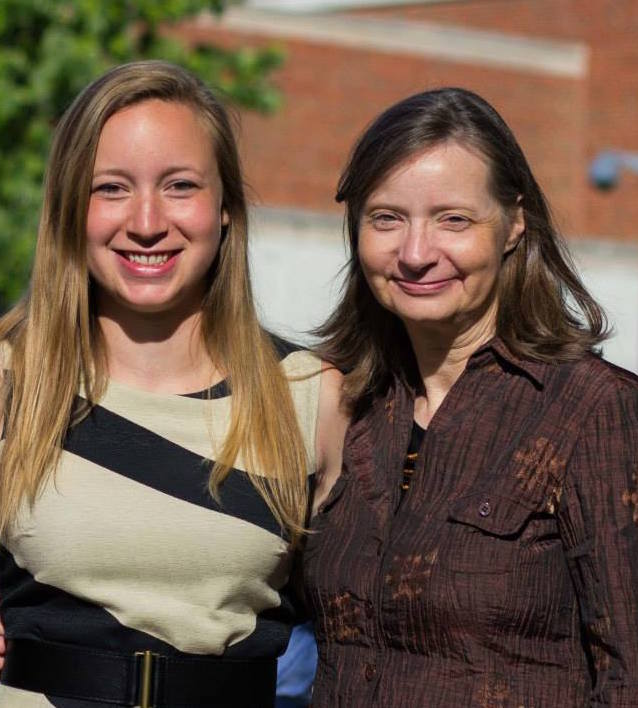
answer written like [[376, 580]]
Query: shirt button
[[485, 509], [369, 609], [370, 672]]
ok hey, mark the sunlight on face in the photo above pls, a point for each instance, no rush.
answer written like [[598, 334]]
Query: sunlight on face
[[155, 213], [432, 240]]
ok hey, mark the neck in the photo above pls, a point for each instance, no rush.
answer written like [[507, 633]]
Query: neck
[[442, 354], [157, 352]]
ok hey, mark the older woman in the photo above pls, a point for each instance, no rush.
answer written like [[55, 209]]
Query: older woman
[[481, 545], [157, 441]]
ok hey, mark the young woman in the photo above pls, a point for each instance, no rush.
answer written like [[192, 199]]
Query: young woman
[[481, 546], [157, 442]]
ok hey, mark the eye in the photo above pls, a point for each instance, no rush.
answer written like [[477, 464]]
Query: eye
[[108, 189], [182, 186], [455, 222], [384, 220]]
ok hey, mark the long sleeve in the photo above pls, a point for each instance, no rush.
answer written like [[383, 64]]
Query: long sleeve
[[598, 521]]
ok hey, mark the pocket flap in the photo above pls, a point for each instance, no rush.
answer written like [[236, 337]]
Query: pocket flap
[[491, 513]]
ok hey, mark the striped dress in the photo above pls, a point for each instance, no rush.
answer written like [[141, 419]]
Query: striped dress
[[125, 549]]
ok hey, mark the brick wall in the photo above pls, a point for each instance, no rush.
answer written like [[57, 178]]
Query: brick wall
[[331, 92], [610, 29], [592, 20]]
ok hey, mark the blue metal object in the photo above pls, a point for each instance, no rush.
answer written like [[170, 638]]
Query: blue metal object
[[605, 168]]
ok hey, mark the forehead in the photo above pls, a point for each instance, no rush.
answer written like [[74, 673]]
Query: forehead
[[440, 170], [168, 124]]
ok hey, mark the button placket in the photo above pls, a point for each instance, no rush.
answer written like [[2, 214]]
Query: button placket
[[370, 671]]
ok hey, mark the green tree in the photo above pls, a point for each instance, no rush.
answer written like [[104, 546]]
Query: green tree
[[49, 50]]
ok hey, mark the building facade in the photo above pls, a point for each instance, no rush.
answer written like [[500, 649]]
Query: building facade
[[563, 73]]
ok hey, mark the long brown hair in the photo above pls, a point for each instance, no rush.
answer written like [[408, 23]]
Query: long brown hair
[[55, 340], [545, 312]]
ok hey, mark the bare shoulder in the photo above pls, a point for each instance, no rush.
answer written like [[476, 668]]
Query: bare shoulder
[[332, 423]]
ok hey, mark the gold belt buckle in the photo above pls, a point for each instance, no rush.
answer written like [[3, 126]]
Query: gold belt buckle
[[146, 661]]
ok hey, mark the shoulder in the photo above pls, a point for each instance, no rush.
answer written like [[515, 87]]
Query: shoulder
[[604, 455], [332, 401], [589, 382], [332, 423], [283, 347], [605, 382], [301, 369], [296, 361], [603, 398], [615, 376], [333, 415]]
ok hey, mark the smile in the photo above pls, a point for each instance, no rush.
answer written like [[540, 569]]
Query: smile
[[415, 287], [146, 259], [148, 265]]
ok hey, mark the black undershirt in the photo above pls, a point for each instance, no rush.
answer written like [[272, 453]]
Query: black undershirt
[[416, 441]]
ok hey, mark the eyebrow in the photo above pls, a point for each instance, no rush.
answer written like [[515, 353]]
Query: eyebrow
[[435, 208], [118, 172]]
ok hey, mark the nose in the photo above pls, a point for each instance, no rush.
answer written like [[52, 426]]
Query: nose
[[147, 220], [418, 248]]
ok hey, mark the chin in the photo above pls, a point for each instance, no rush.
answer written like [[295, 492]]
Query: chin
[[150, 305], [154, 302], [425, 316]]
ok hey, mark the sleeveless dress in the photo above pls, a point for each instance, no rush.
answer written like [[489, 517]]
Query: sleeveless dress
[[125, 550]]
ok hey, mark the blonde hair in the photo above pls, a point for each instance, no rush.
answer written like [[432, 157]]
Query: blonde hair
[[55, 341]]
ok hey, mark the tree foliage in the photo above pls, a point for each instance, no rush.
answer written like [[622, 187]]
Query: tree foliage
[[49, 50]]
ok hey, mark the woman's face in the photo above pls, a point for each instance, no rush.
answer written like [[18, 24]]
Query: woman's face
[[155, 212], [432, 240]]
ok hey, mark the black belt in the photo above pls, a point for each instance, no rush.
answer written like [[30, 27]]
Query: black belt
[[144, 679]]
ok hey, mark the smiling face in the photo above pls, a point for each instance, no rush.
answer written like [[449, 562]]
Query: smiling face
[[432, 240], [155, 213]]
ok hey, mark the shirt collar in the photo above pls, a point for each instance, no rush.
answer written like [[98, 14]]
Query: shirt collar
[[497, 350]]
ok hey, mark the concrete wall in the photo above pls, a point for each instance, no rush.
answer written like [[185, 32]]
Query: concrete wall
[[609, 108], [296, 257], [610, 270]]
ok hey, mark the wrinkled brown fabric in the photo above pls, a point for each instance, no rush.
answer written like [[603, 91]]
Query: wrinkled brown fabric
[[508, 574]]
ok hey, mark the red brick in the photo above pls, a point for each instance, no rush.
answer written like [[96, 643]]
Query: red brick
[[294, 157]]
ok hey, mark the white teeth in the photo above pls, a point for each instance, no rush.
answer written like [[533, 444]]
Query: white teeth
[[153, 259]]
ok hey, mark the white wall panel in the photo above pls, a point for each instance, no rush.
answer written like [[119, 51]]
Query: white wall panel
[[296, 258]]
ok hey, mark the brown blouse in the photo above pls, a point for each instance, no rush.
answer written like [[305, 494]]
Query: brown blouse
[[507, 574]]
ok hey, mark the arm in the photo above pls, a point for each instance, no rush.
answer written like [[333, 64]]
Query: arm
[[332, 422], [598, 521]]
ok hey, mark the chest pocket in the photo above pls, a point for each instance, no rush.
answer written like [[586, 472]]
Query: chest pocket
[[482, 533], [510, 514], [491, 533]]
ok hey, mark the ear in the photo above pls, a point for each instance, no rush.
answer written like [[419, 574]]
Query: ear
[[225, 217], [515, 227]]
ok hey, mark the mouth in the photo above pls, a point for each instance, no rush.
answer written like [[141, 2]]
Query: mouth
[[147, 263], [148, 259], [423, 287], [155, 258]]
